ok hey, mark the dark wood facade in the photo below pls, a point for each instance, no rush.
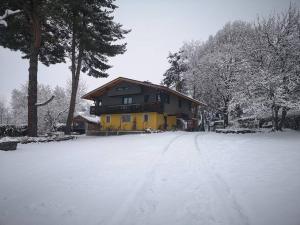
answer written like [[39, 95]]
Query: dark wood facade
[[128, 108]]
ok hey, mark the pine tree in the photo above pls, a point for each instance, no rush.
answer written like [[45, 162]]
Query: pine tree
[[93, 36], [34, 33], [173, 77]]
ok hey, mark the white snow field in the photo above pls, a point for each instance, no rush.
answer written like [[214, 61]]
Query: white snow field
[[172, 178]]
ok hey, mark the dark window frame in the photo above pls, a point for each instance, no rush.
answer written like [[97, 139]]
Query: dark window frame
[[146, 116], [158, 97], [127, 100], [167, 99]]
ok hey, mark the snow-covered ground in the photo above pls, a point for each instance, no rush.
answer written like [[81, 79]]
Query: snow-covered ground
[[159, 179]]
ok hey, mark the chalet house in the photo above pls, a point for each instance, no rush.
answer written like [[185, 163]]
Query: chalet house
[[129, 105]]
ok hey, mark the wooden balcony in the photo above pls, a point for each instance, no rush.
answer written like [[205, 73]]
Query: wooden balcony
[[130, 108]]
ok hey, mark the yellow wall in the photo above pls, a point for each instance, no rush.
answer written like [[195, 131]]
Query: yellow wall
[[155, 121], [171, 122]]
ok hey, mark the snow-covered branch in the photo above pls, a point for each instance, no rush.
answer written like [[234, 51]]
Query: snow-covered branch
[[46, 102], [53, 123], [7, 13]]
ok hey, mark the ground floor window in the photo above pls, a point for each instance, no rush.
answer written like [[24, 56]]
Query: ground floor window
[[126, 118], [108, 119], [146, 117]]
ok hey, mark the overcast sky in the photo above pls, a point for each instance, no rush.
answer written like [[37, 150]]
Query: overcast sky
[[158, 27]]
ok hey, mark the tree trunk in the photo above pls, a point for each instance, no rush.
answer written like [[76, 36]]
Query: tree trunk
[[32, 83], [275, 117], [75, 81], [72, 106], [225, 113], [73, 92], [202, 126], [283, 116]]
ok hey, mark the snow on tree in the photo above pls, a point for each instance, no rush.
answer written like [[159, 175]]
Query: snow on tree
[[5, 114], [248, 69], [173, 77], [214, 67], [50, 115], [18, 104], [273, 81], [7, 13]]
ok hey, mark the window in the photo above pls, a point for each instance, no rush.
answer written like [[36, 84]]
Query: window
[[146, 98], [190, 106], [127, 100], [179, 103], [167, 99], [99, 102], [146, 117], [107, 119], [122, 88], [126, 118], [158, 98]]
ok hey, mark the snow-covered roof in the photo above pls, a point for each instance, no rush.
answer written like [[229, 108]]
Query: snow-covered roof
[[90, 118]]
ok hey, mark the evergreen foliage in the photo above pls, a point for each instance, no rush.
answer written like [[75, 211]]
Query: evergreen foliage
[[51, 30], [173, 77], [34, 33], [93, 39]]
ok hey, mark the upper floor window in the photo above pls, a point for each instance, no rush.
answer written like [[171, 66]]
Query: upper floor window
[[190, 106], [167, 99], [179, 103], [108, 119], [99, 102], [127, 100], [158, 97], [122, 88], [146, 98]]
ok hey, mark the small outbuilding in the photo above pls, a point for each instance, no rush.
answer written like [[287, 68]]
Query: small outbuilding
[[86, 124]]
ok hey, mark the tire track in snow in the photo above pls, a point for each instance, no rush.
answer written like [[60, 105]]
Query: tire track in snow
[[225, 200], [174, 192], [121, 213]]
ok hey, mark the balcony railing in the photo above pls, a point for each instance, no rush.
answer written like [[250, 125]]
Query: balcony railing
[[132, 108]]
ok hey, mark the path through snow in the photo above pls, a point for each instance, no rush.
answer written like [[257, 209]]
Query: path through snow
[[181, 189], [173, 178]]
